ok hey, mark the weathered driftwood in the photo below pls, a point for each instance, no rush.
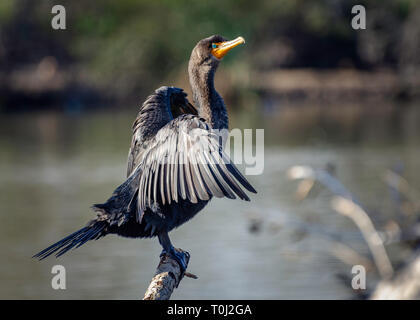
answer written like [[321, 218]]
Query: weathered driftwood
[[166, 279], [362, 220], [346, 204], [405, 285], [401, 284]]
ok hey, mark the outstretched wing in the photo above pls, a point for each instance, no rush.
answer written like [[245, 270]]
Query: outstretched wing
[[185, 161], [165, 104]]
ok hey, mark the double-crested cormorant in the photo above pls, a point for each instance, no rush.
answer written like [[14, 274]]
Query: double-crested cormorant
[[175, 164]]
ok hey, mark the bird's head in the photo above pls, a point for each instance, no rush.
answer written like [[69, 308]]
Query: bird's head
[[211, 50]]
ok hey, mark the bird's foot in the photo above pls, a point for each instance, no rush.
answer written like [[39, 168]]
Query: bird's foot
[[182, 257]]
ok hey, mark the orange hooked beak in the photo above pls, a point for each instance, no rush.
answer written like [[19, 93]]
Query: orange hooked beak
[[221, 48]]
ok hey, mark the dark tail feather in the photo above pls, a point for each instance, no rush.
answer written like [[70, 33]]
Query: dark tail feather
[[109, 213], [76, 239]]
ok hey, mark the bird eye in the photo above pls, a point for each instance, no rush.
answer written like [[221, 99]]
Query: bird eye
[[214, 46]]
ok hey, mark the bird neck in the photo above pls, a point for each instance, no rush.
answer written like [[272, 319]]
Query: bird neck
[[210, 104]]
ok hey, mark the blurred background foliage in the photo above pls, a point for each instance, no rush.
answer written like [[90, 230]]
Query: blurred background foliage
[[121, 50]]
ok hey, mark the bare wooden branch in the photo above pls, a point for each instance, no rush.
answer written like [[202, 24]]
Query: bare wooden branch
[[346, 204], [350, 209], [400, 184], [166, 279], [405, 285], [350, 256]]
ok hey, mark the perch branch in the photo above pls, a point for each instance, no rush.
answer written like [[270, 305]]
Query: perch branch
[[167, 278]]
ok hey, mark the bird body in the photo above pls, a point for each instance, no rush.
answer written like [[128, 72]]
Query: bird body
[[176, 162]]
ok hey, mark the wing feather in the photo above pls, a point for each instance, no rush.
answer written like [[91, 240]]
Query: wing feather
[[184, 161]]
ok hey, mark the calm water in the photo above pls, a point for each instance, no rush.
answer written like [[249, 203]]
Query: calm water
[[53, 167]]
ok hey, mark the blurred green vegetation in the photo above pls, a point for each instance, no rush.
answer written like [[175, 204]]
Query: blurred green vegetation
[[126, 48]]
